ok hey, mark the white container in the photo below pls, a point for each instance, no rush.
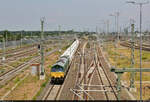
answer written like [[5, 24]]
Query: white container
[[35, 69]]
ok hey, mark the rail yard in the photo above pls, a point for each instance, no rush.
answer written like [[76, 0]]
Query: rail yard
[[79, 69], [75, 50]]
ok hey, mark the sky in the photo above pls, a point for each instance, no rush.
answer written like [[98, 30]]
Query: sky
[[70, 14]]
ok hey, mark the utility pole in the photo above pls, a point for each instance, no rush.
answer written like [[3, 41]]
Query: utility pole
[[100, 31], [141, 51], [107, 22], [15, 36], [42, 73], [31, 35], [120, 31], [59, 35], [96, 30], [103, 28], [21, 39], [140, 4], [116, 35], [115, 30], [132, 77], [4, 48], [6, 39], [117, 20]]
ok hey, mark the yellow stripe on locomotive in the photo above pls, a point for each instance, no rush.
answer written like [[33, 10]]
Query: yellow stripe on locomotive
[[57, 74]]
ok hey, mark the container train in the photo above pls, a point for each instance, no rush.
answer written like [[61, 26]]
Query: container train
[[60, 68]]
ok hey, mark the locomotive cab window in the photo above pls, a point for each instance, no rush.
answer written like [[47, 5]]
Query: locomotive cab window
[[57, 69], [60, 70]]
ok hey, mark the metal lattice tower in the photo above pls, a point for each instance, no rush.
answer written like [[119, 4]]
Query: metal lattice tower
[[42, 74], [132, 77]]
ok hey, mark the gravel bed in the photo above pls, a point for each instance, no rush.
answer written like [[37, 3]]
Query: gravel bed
[[70, 80], [112, 76], [96, 81]]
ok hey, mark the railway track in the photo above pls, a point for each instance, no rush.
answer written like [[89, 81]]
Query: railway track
[[12, 73], [51, 91], [12, 51], [83, 74], [15, 52], [8, 61], [19, 55], [81, 69], [25, 52], [46, 65], [8, 75], [86, 90], [22, 49], [145, 47], [109, 89]]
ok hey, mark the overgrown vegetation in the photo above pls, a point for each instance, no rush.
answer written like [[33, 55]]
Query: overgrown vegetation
[[41, 88], [122, 59]]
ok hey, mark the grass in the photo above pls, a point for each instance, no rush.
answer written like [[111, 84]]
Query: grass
[[43, 85], [145, 76], [25, 59], [41, 89], [15, 48], [49, 66], [2, 71], [145, 56], [47, 50], [125, 62], [1, 86], [64, 48], [33, 80], [28, 79], [125, 59], [16, 63], [88, 45], [58, 53], [17, 80]]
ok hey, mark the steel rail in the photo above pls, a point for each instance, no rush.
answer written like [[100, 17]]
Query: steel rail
[[102, 66]]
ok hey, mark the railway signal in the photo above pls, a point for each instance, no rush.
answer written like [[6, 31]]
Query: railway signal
[[39, 46]]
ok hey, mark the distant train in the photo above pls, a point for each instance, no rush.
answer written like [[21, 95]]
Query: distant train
[[60, 68]]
